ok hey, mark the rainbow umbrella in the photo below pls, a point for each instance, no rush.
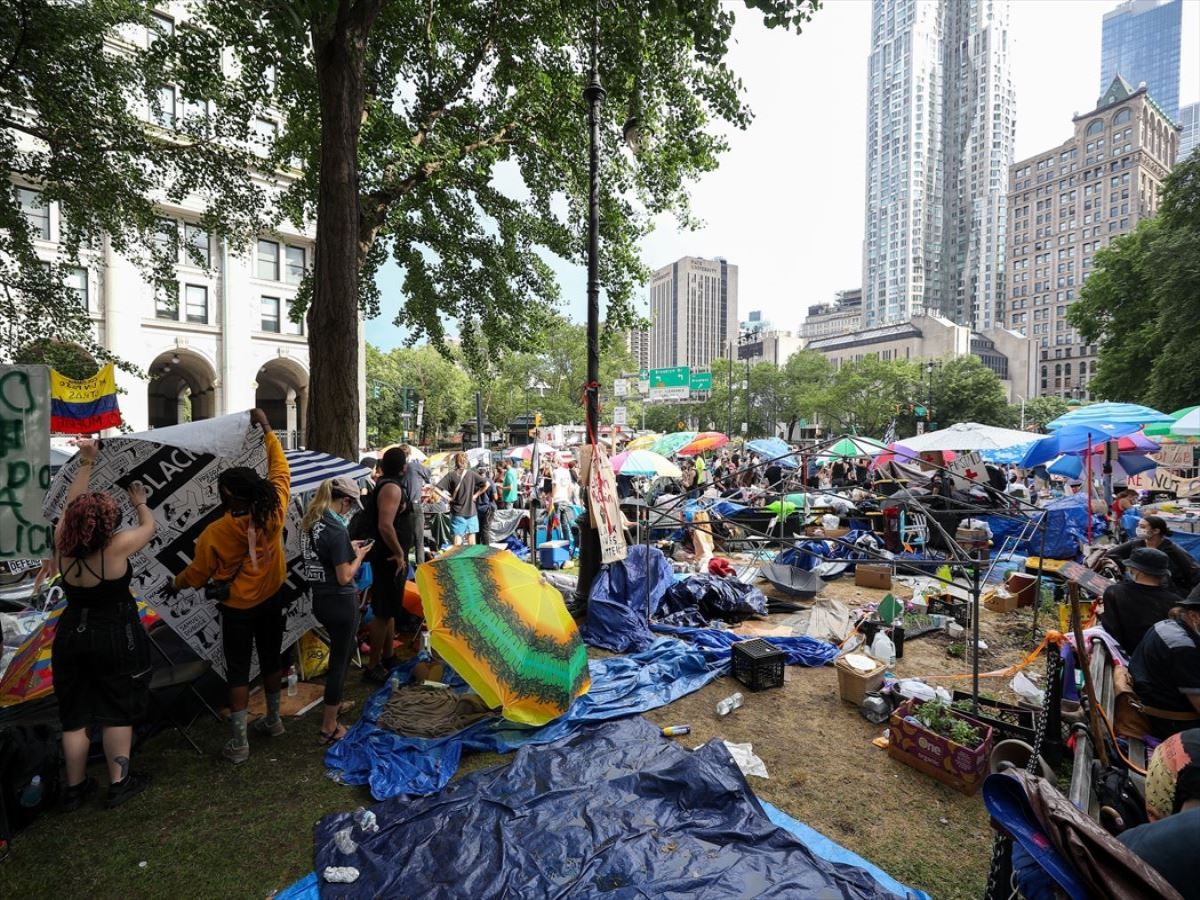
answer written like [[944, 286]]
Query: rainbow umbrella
[[644, 464], [671, 443], [502, 627], [704, 442], [526, 452], [645, 442]]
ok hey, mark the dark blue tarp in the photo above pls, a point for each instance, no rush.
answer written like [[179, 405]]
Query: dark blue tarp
[[1066, 529], [616, 613], [394, 764], [702, 598], [615, 810], [800, 650]]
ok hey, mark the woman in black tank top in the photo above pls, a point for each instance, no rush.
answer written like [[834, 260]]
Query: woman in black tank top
[[100, 658]]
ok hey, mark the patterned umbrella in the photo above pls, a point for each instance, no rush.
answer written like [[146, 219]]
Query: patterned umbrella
[[645, 442], [644, 463], [704, 442], [505, 630], [852, 447], [671, 443], [526, 452]]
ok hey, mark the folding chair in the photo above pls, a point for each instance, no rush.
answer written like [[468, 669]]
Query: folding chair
[[182, 676]]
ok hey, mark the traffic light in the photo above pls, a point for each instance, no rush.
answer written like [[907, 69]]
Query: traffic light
[[537, 423]]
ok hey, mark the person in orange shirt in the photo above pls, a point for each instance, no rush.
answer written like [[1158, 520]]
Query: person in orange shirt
[[240, 563]]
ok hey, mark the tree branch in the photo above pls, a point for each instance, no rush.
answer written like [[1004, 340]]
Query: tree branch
[[19, 43]]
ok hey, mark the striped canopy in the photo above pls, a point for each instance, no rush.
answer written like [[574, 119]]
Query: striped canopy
[[310, 468]]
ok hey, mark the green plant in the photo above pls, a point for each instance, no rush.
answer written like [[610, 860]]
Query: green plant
[[939, 717], [958, 649]]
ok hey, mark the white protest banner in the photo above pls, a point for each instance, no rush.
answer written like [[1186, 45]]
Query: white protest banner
[[603, 505], [967, 469], [25, 532], [1174, 456], [181, 484]]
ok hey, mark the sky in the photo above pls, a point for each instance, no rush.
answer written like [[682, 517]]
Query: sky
[[786, 204]]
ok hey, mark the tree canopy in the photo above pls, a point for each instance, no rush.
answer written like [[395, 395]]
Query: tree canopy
[[965, 390]]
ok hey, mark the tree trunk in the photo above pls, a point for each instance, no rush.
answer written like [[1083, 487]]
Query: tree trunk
[[339, 50]]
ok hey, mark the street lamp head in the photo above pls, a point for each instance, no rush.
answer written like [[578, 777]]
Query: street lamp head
[[632, 132]]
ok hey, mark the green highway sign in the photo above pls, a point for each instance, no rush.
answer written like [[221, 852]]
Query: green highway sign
[[673, 377], [700, 381]]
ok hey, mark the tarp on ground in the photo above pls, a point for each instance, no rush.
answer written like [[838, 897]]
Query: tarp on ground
[[617, 611], [799, 650], [394, 764], [703, 598], [616, 809]]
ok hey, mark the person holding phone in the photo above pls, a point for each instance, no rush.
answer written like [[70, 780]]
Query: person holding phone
[[331, 560]]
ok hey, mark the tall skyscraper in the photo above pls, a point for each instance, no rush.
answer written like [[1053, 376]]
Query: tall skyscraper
[[693, 312], [940, 124], [1189, 140], [1065, 204], [1141, 43]]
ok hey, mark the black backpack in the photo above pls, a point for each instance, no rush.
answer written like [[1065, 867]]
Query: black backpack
[[27, 751], [364, 526]]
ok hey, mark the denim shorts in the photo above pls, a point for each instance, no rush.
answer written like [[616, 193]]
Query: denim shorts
[[460, 525]]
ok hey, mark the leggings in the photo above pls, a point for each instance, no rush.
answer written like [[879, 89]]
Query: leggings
[[338, 613]]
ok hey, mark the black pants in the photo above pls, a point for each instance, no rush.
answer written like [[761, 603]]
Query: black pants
[[417, 532], [338, 614], [259, 627]]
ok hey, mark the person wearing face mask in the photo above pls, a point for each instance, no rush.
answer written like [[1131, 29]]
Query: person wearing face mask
[[1134, 606], [1153, 531], [331, 561]]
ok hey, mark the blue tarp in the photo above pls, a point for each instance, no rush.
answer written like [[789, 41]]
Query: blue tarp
[[616, 810], [616, 613], [1066, 529], [394, 764], [798, 651], [702, 598]]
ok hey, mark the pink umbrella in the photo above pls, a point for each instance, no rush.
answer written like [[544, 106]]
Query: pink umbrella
[[899, 453]]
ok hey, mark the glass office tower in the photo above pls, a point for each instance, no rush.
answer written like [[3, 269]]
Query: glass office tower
[[1141, 42]]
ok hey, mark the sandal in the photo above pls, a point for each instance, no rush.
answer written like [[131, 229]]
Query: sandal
[[325, 738]]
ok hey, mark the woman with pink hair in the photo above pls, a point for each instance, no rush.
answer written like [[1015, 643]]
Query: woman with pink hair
[[101, 659]]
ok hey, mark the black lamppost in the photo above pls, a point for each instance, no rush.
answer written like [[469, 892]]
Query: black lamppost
[[930, 368]]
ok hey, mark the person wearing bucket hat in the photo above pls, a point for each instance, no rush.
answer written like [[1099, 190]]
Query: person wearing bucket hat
[[331, 560], [1134, 606], [1166, 670], [1153, 532]]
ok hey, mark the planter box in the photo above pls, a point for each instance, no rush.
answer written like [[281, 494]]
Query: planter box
[[1023, 729], [952, 764]]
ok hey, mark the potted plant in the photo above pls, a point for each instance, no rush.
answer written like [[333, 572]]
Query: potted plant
[[942, 742]]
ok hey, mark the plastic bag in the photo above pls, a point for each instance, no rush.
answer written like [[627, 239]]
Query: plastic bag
[[1026, 689], [314, 655]]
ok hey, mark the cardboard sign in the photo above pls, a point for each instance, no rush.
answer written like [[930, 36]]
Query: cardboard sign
[[25, 532], [1092, 582], [603, 504], [182, 495], [1174, 456], [1162, 480], [967, 469]]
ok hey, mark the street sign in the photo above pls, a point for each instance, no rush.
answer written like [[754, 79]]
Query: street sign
[[620, 415], [643, 381], [920, 426], [670, 383], [745, 428], [620, 388], [700, 381], [420, 413]]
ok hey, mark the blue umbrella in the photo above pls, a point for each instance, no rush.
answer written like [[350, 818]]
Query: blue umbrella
[[1115, 413], [773, 449], [1074, 438], [1072, 465]]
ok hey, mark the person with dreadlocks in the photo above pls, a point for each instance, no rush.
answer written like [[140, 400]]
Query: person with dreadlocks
[[100, 657], [240, 563]]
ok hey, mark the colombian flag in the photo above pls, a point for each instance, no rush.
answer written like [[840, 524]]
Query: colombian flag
[[84, 406]]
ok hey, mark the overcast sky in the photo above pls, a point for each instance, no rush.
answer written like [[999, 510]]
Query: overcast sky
[[786, 205]]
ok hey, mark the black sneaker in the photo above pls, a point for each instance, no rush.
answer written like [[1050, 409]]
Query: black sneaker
[[121, 791], [74, 795], [375, 675]]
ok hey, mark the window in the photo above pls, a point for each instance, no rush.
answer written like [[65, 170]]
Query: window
[[295, 264], [196, 303], [290, 327], [165, 114], [270, 314], [268, 263], [160, 26], [77, 280], [1122, 116], [36, 211], [196, 243], [166, 237], [163, 308], [265, 131]]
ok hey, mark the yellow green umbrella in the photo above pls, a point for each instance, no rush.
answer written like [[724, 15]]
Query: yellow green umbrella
[[501, 626], [645, 442]]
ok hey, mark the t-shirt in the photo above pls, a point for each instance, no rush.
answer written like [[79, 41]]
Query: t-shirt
[[323, 548], [562, 485], [415, 477], [511, 483], [1132, 609], [1169, 846], [461, 485], [1166, 667]]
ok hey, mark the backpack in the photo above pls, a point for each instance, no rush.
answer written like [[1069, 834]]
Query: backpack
[[1121, 802], [27, 751], [364, 526]]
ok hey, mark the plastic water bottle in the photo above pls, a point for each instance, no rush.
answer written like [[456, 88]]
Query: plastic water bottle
[[883, 649], [730, 703], [291, 681], [31, 794]]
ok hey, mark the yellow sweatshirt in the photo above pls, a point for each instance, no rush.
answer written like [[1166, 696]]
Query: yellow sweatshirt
[[225, 545]]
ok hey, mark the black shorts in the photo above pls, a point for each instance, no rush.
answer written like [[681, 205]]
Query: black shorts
[[387, 590], [259, 627], [101, 667]]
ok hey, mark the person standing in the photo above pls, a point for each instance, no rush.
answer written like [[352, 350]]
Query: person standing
[[416, 479], [1166, 670], [239, 561], [464, 486], [485, 503], [564, 511], [385, 514], [100, 657], [510, 485], [1131, 608], [331, 560]]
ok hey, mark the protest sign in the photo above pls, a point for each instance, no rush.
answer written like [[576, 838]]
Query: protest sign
[[1174, 456], [603, 504], [967, 469], [25, 533]]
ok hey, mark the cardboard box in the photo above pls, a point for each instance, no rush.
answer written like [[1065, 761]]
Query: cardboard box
[[854, 685], [1001, 601], [873, 576], [952, 764]]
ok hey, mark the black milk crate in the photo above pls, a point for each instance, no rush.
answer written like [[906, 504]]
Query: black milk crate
[[1020, 723], [757, 664]]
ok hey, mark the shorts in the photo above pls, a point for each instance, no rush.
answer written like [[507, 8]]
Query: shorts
[[461, 525], [101, 667], [259, 627], [387, 591]]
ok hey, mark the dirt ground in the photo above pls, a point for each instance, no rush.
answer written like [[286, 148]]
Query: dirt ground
[[825, 771]]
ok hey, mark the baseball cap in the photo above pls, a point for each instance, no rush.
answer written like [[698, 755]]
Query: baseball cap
[[1148, 560], [345, 486]]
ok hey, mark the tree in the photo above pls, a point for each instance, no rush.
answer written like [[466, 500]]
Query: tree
[[451, 136], [74, 132], [441, 385], [863, 396], [1039, 412], [66, 359], [965, 390], [806, 380]]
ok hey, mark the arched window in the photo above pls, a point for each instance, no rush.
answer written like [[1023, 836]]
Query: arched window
[[1122, 116], [1095, 127], [1058, 370], [1067, 370], [1083, 367]]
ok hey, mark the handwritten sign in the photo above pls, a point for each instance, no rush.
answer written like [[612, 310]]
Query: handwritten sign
[[967, 469], [1092, 582], [25, 533], [1164, 481], [603, 504], [1174, 456]]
